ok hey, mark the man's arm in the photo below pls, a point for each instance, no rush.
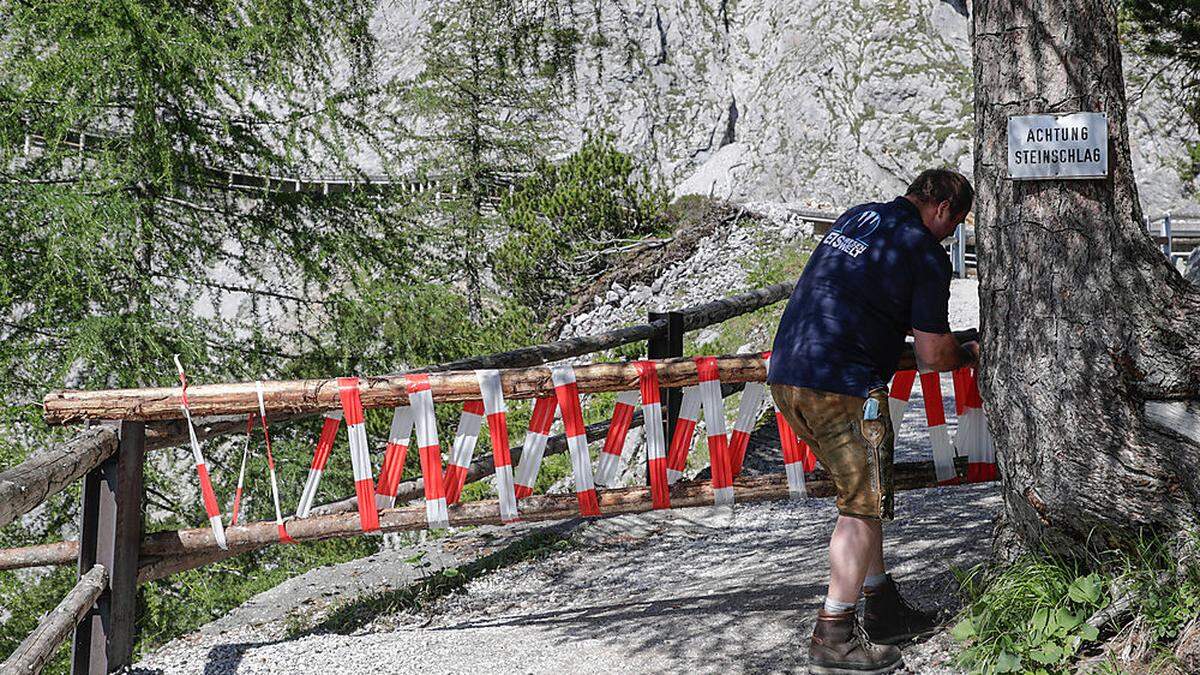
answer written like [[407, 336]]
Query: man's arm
[[941, 351]]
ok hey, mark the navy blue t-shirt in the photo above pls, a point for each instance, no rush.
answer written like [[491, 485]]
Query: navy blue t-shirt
[[876, 274]]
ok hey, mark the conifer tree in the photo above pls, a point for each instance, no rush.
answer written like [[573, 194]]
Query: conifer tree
[[493, 70]]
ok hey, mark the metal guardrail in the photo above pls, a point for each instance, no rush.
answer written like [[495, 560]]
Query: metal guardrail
[[1171, 229]]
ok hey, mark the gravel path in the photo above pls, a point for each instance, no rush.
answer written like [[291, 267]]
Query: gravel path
[[636, 593]]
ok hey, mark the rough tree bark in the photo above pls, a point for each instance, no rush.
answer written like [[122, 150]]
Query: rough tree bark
[[1082, 319]]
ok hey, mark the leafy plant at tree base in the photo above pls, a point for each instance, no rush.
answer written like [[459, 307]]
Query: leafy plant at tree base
[[1030, 617]]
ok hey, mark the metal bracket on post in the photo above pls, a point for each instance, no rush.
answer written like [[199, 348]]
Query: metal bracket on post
[[668, 345], [110, 534], [1167, 246], [960, 251]]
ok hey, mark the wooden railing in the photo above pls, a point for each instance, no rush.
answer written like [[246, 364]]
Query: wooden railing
[[127, 423]]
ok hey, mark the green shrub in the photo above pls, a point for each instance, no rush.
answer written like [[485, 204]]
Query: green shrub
[[570, 217]]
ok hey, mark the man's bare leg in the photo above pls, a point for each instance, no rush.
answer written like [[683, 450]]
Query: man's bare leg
[[855, 550]]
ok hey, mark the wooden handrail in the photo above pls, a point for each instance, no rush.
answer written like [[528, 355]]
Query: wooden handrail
[[162, 403], [310, 396], [36, 650], [317, 395], [241, 538]]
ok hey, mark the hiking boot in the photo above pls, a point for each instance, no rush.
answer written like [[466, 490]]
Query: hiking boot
[[889, 619], [840, 647]]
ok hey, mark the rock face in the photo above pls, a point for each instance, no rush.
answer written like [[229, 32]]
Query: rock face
[[796, 100], [1191, 271]]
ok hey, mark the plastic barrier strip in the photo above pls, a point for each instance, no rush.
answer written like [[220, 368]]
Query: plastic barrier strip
[[360, 458], [798, 458], [656, 443], [614, 441], [898, 394], [981, 464], [421, 399], [685, 429], [394, 457], [752, 398], [567, 392], [960, 394], [333, 420], [209, 497], [497, 420], [465, 438], [237, 493], [284, 537], [714, 422], [939, 437], [540, 423]]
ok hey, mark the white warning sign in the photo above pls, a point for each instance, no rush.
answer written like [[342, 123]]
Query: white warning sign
[[1058, 146]]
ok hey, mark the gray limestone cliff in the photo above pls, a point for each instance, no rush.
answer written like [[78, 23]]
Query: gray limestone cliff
[[833, 101]]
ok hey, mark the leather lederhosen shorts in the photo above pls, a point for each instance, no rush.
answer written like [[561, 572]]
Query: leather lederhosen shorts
[[856, 452]]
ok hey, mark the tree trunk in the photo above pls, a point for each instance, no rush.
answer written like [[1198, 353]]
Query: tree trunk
[[1082, 319]]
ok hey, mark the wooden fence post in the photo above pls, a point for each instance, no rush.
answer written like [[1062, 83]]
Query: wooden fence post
[[110, 534], [665, 346]]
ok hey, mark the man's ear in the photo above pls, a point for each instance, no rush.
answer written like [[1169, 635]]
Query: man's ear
[[944, 215]]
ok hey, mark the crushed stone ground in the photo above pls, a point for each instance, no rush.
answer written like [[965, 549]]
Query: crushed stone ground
[[639, 593]]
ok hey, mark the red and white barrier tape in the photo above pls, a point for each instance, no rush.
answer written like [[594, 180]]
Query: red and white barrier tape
[[360, 457], [898, 395], [262, 418], [394, 457], [237, 493], [797, 457], [534, 447], [685, 430], [656, 443], [752, 400], [211, 509], [614, 441], [497, 420], [420, 397], [973, 431], [939, 437], [465, 438], [714, 423], [567, 393], [333, 420]]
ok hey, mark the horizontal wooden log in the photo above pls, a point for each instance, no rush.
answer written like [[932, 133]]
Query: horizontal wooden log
[[311, 396], [199, 541], [43, 474], [305, 396], [36, 650], [481, 467]]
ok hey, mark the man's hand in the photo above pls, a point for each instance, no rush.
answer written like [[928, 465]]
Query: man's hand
[[941, 351], [972, 349]]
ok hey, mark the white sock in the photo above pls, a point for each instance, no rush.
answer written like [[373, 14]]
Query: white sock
[[836, 607], [874, 581]]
